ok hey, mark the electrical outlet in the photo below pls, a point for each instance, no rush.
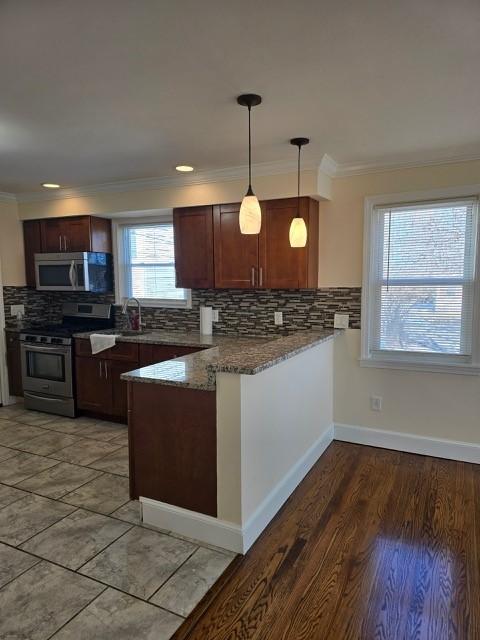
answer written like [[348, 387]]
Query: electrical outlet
[[278, 317], [376, 403], [17, 310], [341, 320], [215, 315]]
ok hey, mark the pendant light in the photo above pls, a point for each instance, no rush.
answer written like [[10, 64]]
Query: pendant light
[[250, 217], [298, 228]]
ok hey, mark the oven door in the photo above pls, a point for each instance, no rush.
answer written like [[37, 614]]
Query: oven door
[[61, 275], [47, 369]]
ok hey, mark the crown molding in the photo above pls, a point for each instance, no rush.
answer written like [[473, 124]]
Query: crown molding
[[7, 197], [145, 184], [344, 170]]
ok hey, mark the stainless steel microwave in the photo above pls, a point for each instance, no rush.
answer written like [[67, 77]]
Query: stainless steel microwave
[[81, 271]]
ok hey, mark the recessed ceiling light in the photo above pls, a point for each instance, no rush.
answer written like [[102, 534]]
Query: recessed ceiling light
[[184, 168], [50, 185]]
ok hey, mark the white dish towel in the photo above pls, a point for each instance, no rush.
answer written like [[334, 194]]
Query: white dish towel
[[101, 341]]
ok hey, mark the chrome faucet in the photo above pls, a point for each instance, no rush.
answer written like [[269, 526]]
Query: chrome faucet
[[126, 302]]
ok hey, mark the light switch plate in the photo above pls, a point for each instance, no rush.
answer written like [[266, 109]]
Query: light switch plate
[[278, 317], [215, 315], [341, 320], [17, 310]]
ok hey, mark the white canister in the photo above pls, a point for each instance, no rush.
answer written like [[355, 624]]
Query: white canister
[[206, 321]]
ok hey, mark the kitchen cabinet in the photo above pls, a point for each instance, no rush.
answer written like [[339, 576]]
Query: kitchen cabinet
[[236, 255], [173, 446], [76, 233], [94, 389], [152, 353], [99, 387], [32, 243], [193, 233], [263, 261], [60, 235], [282, 266], [14, 363]]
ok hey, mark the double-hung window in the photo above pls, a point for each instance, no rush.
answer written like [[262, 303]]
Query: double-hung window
[[145, 263], [421, 285]]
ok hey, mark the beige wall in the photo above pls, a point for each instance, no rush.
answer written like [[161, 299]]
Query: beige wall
[[433, 405], [276, 186], [341, 218], [11, 245]]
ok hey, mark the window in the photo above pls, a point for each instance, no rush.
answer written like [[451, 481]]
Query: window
[[146, 264], [420, 293]]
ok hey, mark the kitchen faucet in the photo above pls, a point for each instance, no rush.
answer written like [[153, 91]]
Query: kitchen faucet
[[125, 312]]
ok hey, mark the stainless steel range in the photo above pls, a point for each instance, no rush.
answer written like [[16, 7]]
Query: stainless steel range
[[47, 357]]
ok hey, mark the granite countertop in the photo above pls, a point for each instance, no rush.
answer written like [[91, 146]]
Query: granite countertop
[[228, 354]]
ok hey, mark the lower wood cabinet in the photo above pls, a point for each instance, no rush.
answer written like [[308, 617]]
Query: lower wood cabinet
[[94, 389], [14, 364], [152, 353], [173, 446]]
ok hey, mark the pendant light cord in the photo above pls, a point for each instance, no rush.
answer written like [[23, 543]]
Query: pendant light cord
[[249, 150], [298, 182]]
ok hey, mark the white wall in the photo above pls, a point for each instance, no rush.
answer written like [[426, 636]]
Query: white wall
[[266, 423]]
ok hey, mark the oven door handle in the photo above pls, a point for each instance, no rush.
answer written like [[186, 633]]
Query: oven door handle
[[56, 349]]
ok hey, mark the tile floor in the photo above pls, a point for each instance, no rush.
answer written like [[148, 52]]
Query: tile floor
[[76, 563]]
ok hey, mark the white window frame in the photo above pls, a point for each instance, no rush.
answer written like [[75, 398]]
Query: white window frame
[[417, 361], [119, 270]]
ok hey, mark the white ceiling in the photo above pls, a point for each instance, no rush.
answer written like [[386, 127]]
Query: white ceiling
[[95, 91]]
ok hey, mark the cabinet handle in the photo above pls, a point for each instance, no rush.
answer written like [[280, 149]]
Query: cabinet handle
[[260, 284], [253, 276], [106, 370], [100, 368], [60, 242], [65, 242]]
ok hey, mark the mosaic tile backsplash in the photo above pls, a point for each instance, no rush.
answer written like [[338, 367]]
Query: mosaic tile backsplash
[[241, 312]]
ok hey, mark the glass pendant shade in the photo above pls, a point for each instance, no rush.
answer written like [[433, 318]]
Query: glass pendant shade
[[298, 233], [250, 217]]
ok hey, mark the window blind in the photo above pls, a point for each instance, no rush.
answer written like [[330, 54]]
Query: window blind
[[422, 280], [149, 262]]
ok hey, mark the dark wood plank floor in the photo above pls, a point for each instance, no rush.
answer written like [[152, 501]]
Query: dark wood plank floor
[[373, 545]]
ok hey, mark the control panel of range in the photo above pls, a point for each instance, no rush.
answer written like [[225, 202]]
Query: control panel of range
[[27, 337]]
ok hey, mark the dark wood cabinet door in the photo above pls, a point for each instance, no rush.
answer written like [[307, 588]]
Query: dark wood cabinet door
[[14, 364], [283, 266], [76, 234], [94, 388], [153, 353], [236, 255], [193, 229], [32, 241], [173, 448], [52, 231], [119, 390]]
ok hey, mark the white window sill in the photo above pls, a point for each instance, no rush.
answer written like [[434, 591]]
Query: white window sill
[[160, 304], [431, 367]]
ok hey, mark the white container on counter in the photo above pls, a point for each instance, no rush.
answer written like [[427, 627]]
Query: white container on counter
[[206, 321]]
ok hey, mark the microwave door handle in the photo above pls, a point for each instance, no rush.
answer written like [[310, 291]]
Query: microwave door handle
[[71, 274]]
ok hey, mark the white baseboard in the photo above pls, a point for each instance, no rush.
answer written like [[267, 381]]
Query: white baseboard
[[275, 499], [228, 535], [409, 442]]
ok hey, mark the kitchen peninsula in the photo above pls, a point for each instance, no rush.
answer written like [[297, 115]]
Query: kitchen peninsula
[[220, 438]]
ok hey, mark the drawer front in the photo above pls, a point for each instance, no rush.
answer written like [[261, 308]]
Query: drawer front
[[124, 351]]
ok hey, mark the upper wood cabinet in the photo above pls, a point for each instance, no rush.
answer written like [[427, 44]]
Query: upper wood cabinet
[[281, 266], [61, 235], [32, 244], [236, 255], [193, 228], [76, 233]]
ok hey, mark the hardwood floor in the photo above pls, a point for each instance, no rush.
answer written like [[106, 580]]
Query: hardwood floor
[[373, 545]]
